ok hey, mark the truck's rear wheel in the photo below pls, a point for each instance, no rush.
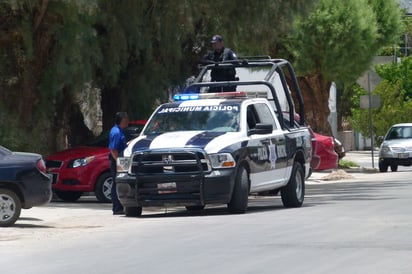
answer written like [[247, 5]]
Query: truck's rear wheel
[[135, 211], [239, 201], [293, 193], [10, 207]]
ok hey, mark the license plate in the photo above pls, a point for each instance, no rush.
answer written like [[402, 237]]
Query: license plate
[[164, 188], [403, 155]]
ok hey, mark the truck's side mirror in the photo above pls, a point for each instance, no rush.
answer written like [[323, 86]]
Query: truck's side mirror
[[261, 129]]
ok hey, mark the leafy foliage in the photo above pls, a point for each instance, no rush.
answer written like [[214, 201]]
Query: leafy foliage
[[150, 47], [360, 119], [347, 164], [137, 52], [340, 39], [46, 47], [337, 42], [395, 96]]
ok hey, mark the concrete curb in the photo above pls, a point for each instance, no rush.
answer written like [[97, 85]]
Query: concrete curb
[[360, 170], [351, 170], [340, 175]]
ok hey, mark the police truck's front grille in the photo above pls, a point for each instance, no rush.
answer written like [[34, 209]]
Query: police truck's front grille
[[169, 162], [170, 176]]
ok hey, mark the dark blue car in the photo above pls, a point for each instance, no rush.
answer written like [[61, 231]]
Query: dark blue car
[[23, 184]]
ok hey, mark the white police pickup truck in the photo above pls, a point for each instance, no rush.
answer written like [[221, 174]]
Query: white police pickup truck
[[216, 148]]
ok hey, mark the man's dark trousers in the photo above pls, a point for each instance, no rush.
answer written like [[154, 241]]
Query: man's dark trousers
[[117, 206]]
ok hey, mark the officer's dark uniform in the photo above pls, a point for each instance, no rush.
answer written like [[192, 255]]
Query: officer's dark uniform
[[222, 73]]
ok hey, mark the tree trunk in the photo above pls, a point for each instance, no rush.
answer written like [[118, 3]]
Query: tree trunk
[[68, 124], [110, 105], [34, 66], [315, 92]]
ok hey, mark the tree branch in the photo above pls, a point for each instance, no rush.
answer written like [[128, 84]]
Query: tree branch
[[40, 14]]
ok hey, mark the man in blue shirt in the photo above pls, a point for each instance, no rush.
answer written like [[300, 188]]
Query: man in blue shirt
[[117, 144]]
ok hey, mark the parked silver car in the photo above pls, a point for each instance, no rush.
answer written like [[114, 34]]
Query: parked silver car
[[396, 148]]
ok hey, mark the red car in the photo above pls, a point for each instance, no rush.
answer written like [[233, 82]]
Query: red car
[[86, 168], [324, 150]]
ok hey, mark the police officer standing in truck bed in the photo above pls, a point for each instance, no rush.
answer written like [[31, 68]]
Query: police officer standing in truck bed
[[219, 54]]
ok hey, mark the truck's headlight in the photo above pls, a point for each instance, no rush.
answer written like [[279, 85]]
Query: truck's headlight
[[81, 162], [222, 160], [123, 164]]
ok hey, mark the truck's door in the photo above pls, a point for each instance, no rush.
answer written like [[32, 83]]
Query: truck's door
[[267, 152]]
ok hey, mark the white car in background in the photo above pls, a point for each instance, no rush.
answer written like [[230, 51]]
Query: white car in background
[[396, 148]]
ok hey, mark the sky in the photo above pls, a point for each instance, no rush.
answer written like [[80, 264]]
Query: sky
[[407, 4]]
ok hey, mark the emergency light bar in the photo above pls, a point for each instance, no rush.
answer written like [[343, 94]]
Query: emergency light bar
[[220, 95]]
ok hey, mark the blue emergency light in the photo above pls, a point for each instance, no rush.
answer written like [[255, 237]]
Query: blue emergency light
[[185, 97], [219, 95]]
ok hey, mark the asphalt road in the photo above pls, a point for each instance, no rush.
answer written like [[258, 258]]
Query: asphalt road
[[359, 225]]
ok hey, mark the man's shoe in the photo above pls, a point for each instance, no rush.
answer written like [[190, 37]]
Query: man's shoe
[[120, 212]]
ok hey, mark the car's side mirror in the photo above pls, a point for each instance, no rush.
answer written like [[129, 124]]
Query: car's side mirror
[[380, 139], [261, 129]]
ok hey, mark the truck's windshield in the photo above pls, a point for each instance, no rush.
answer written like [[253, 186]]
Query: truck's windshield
[[218, 118]]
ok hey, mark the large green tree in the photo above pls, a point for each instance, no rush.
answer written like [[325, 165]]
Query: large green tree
[[145, 49], [134, 52], [337, 42], [151, 47], [47, 52]]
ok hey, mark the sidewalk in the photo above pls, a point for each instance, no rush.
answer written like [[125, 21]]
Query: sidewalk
[[366, 167], [363, 158]]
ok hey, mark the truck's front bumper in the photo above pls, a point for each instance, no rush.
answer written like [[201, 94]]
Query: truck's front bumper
[[174, 190]]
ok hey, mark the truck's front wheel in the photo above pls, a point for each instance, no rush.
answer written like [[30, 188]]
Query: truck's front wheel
[[293, 193], [239, 201]]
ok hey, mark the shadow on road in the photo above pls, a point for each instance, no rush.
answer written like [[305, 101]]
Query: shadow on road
[[315, 195], [18, 224], [84, 202], [256, 205], [360, 191]]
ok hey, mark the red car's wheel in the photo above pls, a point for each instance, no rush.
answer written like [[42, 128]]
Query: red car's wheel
[[103, 188]]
